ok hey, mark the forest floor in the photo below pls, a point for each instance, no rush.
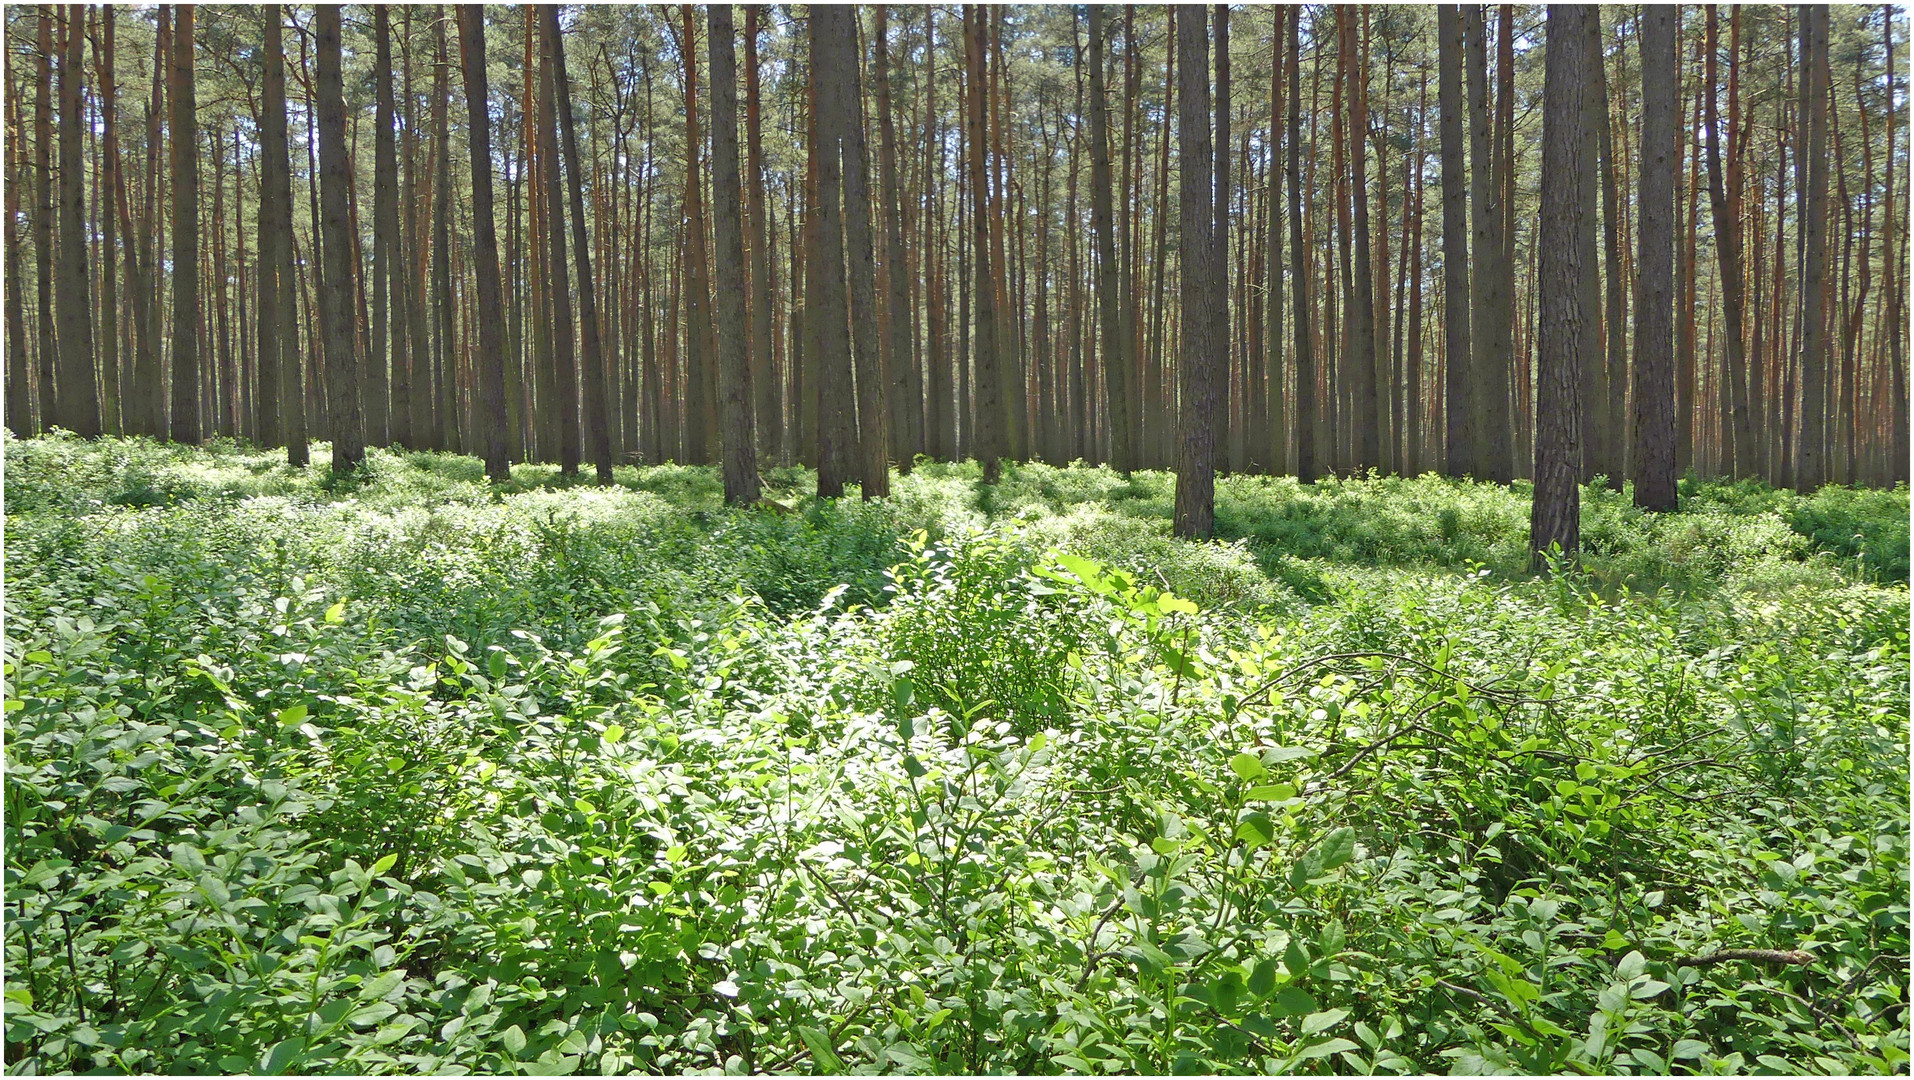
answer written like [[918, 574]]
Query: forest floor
[[415, 775]]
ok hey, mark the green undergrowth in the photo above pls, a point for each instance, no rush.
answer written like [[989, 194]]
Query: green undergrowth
[[407, 773]]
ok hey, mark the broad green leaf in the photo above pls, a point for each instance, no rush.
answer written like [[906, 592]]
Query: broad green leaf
[[1315, 1023], [828, 1063]]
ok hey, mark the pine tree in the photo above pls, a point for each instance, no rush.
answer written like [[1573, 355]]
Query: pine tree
[[1654, 371], [491, 358], [734, 367], [1565, 235], [335, 229]]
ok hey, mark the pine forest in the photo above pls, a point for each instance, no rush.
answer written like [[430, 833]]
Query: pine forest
[[956, 539]]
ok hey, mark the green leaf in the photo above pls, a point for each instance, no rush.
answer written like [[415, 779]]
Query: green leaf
[[1337, 848], [911, 1059], [513, 1040], [1271, 793], [1689, 1048], [188, 858], [1247, 767], [1263, 978], [828, 1063], [282, 1057], [1315, 1023], [1256, 830], [1293, 1001], [1324, 1049]]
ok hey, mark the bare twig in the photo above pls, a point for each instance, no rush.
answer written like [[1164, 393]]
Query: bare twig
[[1753, 956]]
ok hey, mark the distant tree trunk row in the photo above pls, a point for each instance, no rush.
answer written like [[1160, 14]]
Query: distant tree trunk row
[[968, 233]]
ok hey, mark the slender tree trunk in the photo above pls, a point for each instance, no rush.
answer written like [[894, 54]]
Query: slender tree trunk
[[988, 443], [764, 379], [45, 207], [1810, 452], [491, 304], [1492, 328], [1362, 355], [185, 425], [1458, 357], [112, 192], [1725, 213], [1654, 371], [335, 295], [78, 402], [564, 359], [1303, 348], [19, 382], [1202, 284], [1894, 264], [833, 57], [597, 426], [1565, 235], [734, 374], [701, 422], [446, 433], [873, 441], [1102, 228], [905, 394], [1599, 453], [387, 273]]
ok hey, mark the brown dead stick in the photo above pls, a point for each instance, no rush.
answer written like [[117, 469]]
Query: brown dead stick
[[1754, 956]]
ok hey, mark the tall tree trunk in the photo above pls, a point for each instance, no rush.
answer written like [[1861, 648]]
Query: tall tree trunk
[[564, 359], [445, 424], [1492, 330], [764, 379], [1599, 453], [1654, 371], [1116, 367], [45, 209], [905, 396], [1202, 283], [78, 402], [1303, 348], [873, 442], [734, 370], [988, 443], [1725, 211], [112, 189], [387, 271], [833, 55], [19, 383], [701, 434], [597, 426], [1565, 235], [1362, 353], [1277, 412], [1228, 427], [335, 295], [185, 425], [1459, 458], [1810, 451], [280, 402], [491, 357], [1893, 265]]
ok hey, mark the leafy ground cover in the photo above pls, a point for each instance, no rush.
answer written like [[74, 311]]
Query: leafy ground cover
[[415, 775]]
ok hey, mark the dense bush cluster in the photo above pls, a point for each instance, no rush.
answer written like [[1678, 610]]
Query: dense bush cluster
[[421, 775]]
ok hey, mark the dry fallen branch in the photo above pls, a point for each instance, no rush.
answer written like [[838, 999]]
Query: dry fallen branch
[[1753, 956]]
